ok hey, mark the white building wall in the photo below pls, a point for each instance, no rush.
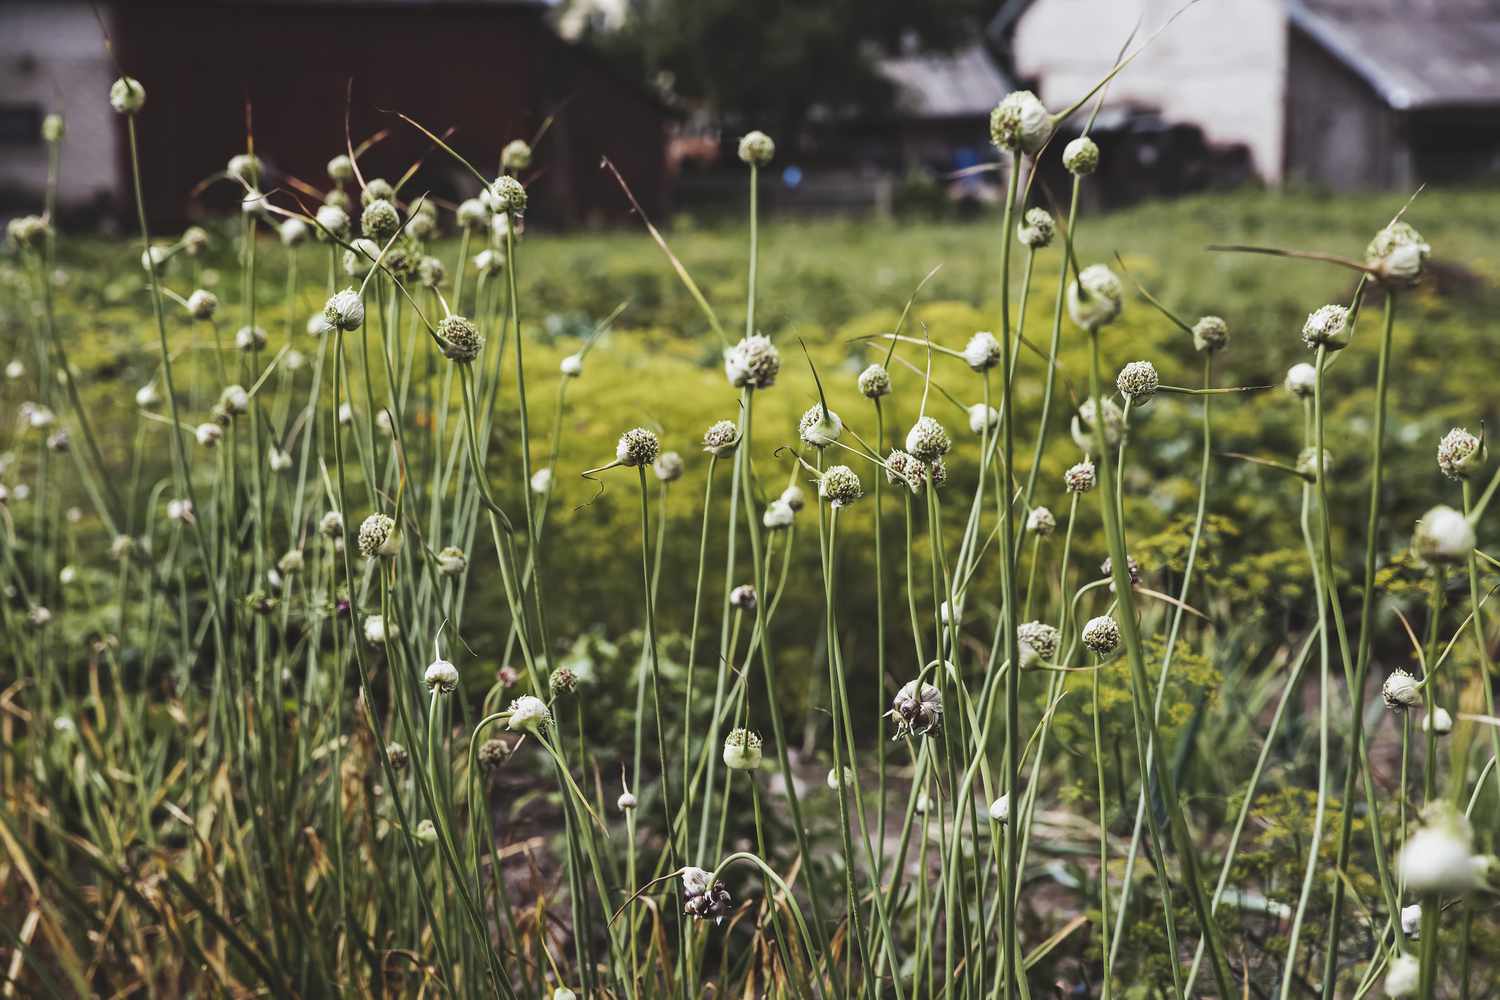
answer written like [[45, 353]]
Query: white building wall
[[52, 56], [1221, 65]]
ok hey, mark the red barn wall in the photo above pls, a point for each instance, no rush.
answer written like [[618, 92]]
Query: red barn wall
[[492, 72]]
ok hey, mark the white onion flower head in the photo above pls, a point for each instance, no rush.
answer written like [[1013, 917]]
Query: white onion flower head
[[1437, 720], [668, 466], [516, 155], [948, 609], [982, 416], [208, 434], [1398, 254], [202, 304], [778, 515], [1038, 642], [333, 220], [147, 396], [840, 486], [1020, 122], [1327, 326], [250, 338], [278, 460], [835, 780], [637, 447], [1443, 537], [1101, 635], [127, 96], [1460, 454], [626, 801], [380, 220], [331, 524], [757, 148], [1307, 462], [508, 195], [1041, 522], [571, 366], [377, 631], [874, 382], [1301, 380], [441, 676], [753, 362], [1112, 423], [793, 497], [379, 536], [180, 511], [360, 260], [1081, 477], [1036, 229], [1095, 299], [742, 597], [1210, 334], [528, 713], [1438, 859], [290, 562], [461, 340], [562, 992], [451, 560], [721, 438], [982, 352], [1081, 156], [489, 261], [917, 709], [742, 750], [541, 480], [1401, 691], [340, 169], [820, 427], [472, 214], [293, 232], [1403, 976], [245, 167], [155, 257], [927, 440], [14, 369], [1138, 382], [1000, 810], [52, 127]]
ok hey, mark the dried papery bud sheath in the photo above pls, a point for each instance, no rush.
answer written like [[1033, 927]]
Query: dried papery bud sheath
[[1036, 229], [874, 382], [742, 750], [1138, 382], [756, 148], [451, 561], [1328, 327], [1020, 122], [742, 598], [1210, 334], [982, 352], [1081, 156], [1095, 299], [202, 304], [1398, 254], [1438, 859], [1301, 380], [528, 714], [1080, 478], [1460, 454], [127, 96], [819, 427], [840, 486], [637, 447], [703, 896], [1400, 691], [1101, 635], [1000, 810], [379, 536], [927, 440], [668, 467], [1111, 417], [754, 362], [461, 339], [917, 709], [1041, 522], [516, 155], [1443, 537], [1038, 643]]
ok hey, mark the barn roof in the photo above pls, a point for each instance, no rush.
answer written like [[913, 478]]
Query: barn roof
[[1414, 53], [959, 84]]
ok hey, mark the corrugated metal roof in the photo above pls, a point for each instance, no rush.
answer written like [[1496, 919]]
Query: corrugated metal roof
[[1415, 54], [959, 84]]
